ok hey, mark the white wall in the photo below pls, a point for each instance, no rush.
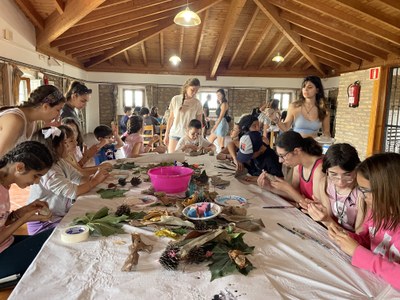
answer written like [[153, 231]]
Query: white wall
[[22, 49]]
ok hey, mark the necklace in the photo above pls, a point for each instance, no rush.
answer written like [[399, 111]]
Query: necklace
[[341, 213], [308, 111]]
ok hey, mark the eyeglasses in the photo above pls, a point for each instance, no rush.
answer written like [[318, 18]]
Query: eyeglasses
[[348, 177], [283, 156], [364, 191]]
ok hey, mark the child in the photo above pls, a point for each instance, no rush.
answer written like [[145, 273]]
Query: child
[[71, 144], [305, 154], [376, 248], [62, 184], [124, 119], [106, 137], [338, 193], [23, 165], [193, 141], [133, 139]]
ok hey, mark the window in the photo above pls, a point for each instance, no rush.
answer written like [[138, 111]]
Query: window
[[133, 97], [212, 104], [284, 100], [24, 90]]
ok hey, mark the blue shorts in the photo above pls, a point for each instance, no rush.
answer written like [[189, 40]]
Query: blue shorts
[[222, 129], [176, 138]]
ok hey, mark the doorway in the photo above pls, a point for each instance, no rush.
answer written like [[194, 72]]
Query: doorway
[[391, 143]]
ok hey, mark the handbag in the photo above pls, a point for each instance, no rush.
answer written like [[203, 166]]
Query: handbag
[[228, 118]]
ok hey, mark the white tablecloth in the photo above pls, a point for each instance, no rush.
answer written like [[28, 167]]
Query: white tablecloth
[[287, 267]]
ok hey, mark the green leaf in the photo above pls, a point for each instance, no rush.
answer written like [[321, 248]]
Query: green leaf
[[80, 220], [111, 219], [102, 212], [180, 231], [111, 193], [247, 269], [137, 215], [221, 266], [106, 229]]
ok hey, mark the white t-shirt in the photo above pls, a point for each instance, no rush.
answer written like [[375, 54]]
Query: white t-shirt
[[190, 110], [199, 142]]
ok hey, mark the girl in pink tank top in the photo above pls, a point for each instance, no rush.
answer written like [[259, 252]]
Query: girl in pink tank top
[[339, 198]]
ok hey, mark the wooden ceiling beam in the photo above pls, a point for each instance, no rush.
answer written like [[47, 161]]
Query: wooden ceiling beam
[[93, 52], [371, 12], [234, 11], [100, 43], [335, 35], [330, 57], [182, 38], [257, 45], [119, 9], [274, 45], [144, 54], [111, 3], [168, 9], [200, 38], [127, 58], [103, 38], [33, 16], [244, 35], [297, 60], [333, 51], [56, 24], [146, 34], [392, 3], [334, 14], [101, 34], [336, 44], [334, 24], [284, 26], [60, 6], [162, 49], [329, 63]]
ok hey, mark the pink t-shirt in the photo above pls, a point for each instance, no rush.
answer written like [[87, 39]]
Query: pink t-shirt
[[306, 186], [379, 253], [344, 207], [130, 142], [4, 213]]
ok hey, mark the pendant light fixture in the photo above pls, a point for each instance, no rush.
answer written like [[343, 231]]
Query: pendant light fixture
[[175, 60], [278, 58], [187, 17]]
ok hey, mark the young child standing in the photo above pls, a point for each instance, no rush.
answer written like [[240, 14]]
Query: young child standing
[[376, 247], [338, 191], [193, 140], [63, 183], [109, 141], [24, 165], [133, 139]]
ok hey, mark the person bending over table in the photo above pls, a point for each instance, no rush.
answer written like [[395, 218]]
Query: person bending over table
[[182, 109], [63, 183], [194, 141], [24, 165], [376, 248], [339, 199], [305, 153]]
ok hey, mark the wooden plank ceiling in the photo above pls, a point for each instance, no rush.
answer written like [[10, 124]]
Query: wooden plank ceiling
[[235, 38]]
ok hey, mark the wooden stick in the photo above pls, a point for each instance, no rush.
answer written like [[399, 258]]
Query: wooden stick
[[133, 257]]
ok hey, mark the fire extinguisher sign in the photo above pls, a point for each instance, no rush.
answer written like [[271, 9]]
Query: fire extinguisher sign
[[374, 73]]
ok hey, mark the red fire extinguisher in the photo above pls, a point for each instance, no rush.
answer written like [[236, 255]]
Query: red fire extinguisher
[[353, 94], [45, 80]]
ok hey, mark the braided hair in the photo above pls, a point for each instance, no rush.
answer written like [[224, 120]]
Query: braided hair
[[189, 82], [34, 155]]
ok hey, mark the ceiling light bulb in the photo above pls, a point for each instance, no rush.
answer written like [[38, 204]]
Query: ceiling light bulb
[[175, 60], [187, 18], [278, 58]]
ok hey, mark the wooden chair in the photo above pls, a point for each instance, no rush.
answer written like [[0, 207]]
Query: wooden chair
[[148, 133], [163, 129]]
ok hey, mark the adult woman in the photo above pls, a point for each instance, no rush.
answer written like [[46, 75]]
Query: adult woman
[[305, 153], [221, 126], [24, 165], [17, 124], [183, 108], [206, 116], [339, 196], [154, 113], [77, 97], [308, 114]]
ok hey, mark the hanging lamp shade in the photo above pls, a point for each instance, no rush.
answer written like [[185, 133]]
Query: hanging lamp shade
[[175, 60], [187, 18], [278, 58]]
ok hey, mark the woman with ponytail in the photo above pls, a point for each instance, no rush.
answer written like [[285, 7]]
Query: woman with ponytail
[[24, 165], [17, 124], [183, 108], [305, 153]]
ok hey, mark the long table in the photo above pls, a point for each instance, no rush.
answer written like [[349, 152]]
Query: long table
[[287, 267]]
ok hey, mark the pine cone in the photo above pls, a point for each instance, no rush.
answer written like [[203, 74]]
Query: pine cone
[[196, 255], [169, 259], [135, 181], [123, 210], [201, 226], [122, 181]]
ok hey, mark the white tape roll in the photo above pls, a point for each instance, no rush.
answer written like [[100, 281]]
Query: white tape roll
[[75, 234]]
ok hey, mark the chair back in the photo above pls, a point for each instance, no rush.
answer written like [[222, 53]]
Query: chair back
[[163, 129], [148, 133]]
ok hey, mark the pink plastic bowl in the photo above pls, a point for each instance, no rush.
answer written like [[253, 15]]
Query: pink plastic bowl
[[170, 179]]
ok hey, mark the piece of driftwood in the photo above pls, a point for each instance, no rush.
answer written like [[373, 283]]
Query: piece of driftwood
[[133, 257]]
